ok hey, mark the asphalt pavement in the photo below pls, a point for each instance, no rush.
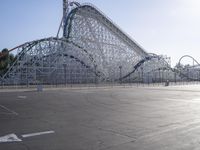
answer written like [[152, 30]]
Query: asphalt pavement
[[111, 118]]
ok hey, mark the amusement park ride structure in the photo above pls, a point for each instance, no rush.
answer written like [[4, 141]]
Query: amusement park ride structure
[[92, 49]]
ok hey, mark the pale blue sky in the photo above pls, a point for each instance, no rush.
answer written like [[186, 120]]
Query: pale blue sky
[[170, 27]]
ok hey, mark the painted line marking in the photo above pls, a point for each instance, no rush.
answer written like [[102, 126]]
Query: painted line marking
[[13, 137], [36, 134], [9, 110], [22, 97], [9, 138]]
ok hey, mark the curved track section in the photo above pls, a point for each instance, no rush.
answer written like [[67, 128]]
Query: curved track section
[[190, 72], [154, 64], [52, 60], [146, 65], [188, 56], [110, 47], [138, 65]]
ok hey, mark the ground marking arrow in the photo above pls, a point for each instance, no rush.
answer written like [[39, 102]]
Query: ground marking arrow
[[9, 138]]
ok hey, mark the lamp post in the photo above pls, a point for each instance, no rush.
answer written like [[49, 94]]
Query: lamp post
[[120, 74], [95, 69], [65, 72], [199, 75], [142, 70], [187, 74], [175, 77]]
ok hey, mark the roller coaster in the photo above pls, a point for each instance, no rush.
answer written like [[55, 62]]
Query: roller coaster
[[92, 49]]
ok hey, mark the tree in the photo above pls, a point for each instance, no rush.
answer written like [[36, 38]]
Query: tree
[[4, 54], [6, 60]]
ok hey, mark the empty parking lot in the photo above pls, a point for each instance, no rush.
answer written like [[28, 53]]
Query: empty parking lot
[[115, 118]]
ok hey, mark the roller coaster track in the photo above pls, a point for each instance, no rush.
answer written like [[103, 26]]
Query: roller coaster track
[[28, 45], [185, 56], [108, 22], [138, 65], [167, 67], [99, 45], [91, 17]]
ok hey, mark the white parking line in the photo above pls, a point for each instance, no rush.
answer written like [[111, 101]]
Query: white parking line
[[22, 97], [36, 134], [13, 137], [9, 138], [9, 110]]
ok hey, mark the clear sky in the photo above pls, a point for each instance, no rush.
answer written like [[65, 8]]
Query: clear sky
[[170, 27]]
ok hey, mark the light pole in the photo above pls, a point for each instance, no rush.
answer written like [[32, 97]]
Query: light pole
[[159, 76], [120, 74], [95, 69], [187, 74], [65, 72], [142, 74], [199, 75], [175, 77]]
